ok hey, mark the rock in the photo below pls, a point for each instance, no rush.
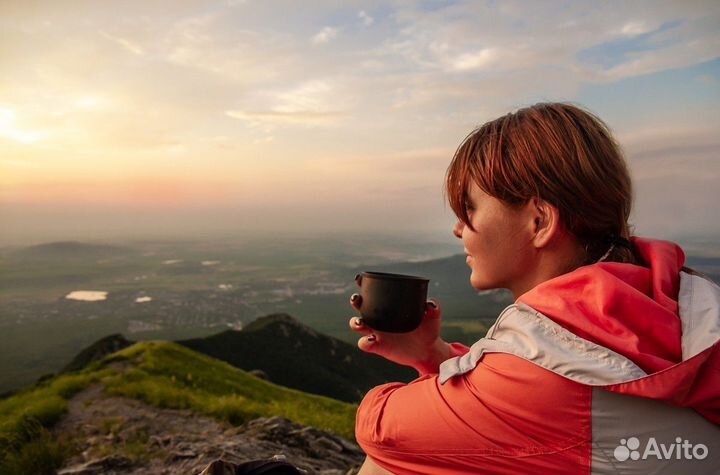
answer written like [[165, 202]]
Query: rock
[[80, 470], [281, 467], [102, 465], [327, 444], [260, 374], [307, 447], [159, 441], [181, 454]]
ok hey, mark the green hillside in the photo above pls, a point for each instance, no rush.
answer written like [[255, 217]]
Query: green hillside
[[164, 375]]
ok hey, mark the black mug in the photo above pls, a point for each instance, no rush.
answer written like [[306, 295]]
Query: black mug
[[393, 303]]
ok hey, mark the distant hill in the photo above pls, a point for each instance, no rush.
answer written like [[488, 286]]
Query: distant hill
[[70, 250], [150, 408], [710, 266], [97, 351], [294, 355]]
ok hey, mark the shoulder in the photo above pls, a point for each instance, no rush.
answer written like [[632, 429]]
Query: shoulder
[[501, 390], [506, 410]]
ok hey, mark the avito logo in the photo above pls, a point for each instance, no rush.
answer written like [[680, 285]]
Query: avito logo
[[680, 450]]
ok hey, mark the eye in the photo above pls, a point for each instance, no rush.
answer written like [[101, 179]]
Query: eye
[[468, 206]]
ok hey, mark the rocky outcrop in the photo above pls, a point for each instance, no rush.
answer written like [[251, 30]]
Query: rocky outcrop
[[120, 436], [308, 448], [109, 464]]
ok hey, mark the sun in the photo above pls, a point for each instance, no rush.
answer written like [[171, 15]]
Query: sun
[[10, 131]]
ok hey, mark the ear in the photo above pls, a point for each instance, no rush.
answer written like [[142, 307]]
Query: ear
[[545, 222]]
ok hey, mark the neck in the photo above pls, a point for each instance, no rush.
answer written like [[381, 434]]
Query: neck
[[551, 261]]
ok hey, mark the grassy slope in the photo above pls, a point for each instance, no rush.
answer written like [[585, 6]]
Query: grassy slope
[[162, 374]]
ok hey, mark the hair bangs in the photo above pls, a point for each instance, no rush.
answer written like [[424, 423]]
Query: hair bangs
[[460, 174]]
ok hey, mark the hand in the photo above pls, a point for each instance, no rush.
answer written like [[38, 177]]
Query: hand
[[422, 348]]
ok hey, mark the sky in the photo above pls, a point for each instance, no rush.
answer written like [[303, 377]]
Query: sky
[[195, 118]]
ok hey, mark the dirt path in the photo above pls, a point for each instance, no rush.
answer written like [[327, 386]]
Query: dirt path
[[116, 435]]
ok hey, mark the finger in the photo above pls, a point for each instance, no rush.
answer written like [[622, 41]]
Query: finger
[[368, 343], [357, 324], [432, 308], [356, 301]]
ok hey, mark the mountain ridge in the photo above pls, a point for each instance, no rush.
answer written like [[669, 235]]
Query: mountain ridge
[[65, 249], [294, 355], [284, 349]]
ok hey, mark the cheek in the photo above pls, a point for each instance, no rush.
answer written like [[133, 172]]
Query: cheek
[[472, 241], [483, 241]]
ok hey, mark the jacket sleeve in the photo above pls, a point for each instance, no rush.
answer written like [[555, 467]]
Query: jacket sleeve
[[497, 416]]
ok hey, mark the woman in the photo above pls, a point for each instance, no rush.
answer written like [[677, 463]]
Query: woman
[[607, 362]]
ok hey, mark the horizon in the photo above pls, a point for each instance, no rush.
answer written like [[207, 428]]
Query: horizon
[[217, 119], [405, 247]]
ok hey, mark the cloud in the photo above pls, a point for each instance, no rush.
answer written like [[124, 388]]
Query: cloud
[[645, 49], [673, 151], [309, 103], [456, 38], [478, 60], [677, 56], [126, 44], [635, 28], [365, 19], [302, 117], [324, 35]]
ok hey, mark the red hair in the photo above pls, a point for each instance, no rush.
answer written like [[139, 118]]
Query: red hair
[[557, 152]]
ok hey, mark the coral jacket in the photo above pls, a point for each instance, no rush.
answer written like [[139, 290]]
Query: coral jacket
[[612, 368]]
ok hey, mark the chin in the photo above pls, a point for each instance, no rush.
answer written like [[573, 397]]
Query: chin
[[479, 282]]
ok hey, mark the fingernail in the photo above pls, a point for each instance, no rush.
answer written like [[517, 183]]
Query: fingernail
[[354, 297], [357, 321], [434, 305], [371, 338]]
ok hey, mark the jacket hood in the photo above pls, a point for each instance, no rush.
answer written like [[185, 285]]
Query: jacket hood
[[627, 308], [663, 319]]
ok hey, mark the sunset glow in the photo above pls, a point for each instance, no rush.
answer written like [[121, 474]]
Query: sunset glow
[[333, 116]]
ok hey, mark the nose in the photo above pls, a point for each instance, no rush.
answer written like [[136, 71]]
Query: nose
[[458, 229]]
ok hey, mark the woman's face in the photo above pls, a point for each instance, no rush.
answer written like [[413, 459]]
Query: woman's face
[[500, 249]]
